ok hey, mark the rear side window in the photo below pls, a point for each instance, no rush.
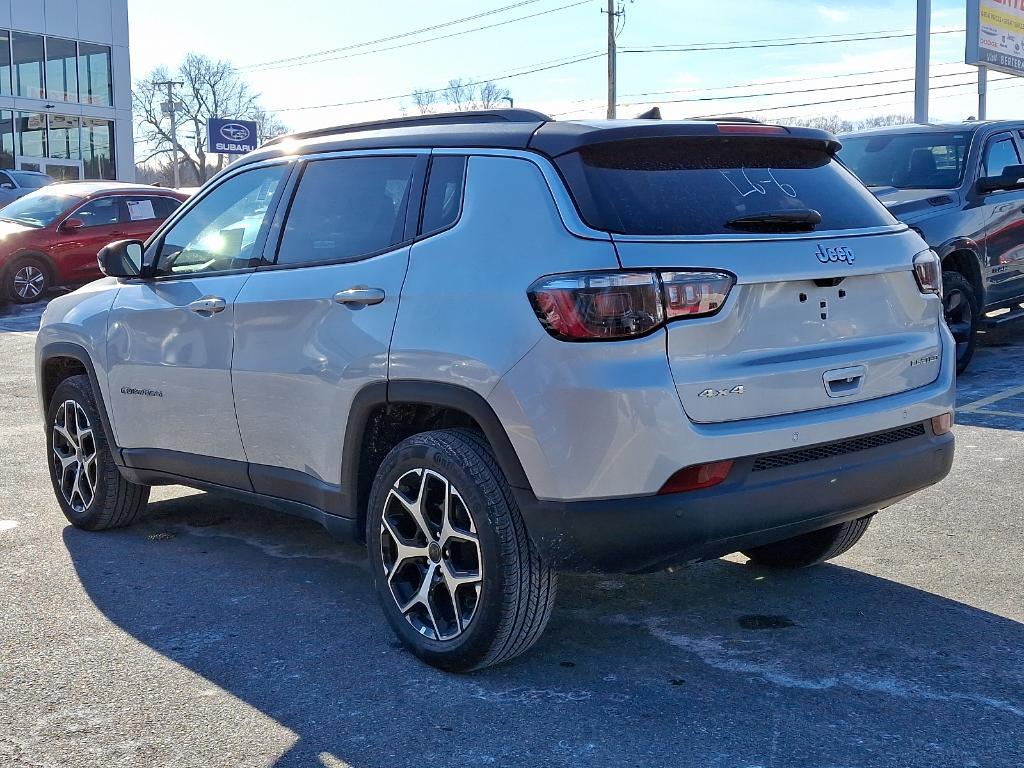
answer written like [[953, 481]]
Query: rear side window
[[999, 155], [696, 186], [165, 206], [443, 201], [347, 208]]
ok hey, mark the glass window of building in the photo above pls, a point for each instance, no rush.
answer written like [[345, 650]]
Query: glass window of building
[[64, 137], [6, 139], [6, 82], [61, 69], [32, 134], [98, 148], [28, 65], [94, 74]]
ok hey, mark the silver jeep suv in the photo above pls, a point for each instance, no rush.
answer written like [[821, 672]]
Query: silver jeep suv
[[495, 346]]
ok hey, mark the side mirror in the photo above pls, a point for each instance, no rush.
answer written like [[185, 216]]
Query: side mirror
[[70, 225], [122, 258], [1012, 177]]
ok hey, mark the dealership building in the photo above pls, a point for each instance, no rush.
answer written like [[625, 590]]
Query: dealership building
[[65, 88]]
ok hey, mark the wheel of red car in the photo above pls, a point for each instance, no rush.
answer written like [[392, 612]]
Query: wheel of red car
[[26, 280]]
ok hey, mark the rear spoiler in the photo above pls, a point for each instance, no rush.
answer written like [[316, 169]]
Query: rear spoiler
[[555, 138]]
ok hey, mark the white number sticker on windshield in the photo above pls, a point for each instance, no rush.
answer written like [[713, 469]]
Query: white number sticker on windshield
[[741, 180]]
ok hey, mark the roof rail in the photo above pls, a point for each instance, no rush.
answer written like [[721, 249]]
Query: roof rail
[[443, 118]]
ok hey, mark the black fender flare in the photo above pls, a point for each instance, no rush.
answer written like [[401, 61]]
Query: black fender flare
[[966, 245], [77, 352], [433, 393]]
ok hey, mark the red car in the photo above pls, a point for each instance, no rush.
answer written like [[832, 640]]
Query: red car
[[51, 236]]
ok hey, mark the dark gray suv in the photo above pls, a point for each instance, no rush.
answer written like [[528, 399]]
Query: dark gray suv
[[961, 186]]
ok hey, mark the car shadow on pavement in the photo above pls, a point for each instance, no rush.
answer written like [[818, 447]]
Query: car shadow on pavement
[[720, 665]]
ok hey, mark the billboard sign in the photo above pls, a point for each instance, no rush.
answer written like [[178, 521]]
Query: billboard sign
[[231, 137], [995, 35]]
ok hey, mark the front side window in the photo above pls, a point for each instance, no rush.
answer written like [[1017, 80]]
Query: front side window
[[220, 232], [347, 208], [28, 65], [94, 74], [103, 211], [931, 160], [61, 69], [999, 155]]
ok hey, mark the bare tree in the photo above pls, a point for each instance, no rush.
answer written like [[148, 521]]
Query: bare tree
[[459, 94], [210, 89], [425, 101], [837, 124]]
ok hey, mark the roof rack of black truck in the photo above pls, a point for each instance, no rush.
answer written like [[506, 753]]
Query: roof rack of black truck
[[442, 118]]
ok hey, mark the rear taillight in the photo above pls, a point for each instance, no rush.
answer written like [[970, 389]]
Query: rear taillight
[[620, 305], [928, 271]]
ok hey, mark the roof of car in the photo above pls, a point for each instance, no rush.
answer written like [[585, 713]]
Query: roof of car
[[504, 129], [86, 188], [966, 125]]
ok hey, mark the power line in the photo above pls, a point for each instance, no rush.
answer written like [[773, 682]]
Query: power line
[[271, 68], [579, 59], [782, 42]]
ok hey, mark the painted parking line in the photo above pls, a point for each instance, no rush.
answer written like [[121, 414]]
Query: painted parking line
[[974, 405], [1005, 414]]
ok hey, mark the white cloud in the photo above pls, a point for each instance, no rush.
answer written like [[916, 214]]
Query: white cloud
[[835, 15]]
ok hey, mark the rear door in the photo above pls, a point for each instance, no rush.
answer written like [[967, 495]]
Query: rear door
[[142, 214], [817, 318], [313, 325]]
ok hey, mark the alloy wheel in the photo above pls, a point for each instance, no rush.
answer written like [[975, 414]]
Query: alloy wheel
[[431, 554], [959, 318], [74, 455], [29, 282]]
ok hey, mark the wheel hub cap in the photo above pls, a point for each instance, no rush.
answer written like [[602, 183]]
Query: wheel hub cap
[[431, 554], [74, 455], [28, 282]]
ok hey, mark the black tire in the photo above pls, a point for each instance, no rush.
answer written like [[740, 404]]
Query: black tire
[[962, 313], [515, 590], [27, 279], [810, 548], [113, 501]]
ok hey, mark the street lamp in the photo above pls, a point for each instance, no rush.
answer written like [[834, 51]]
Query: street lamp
[[511, 104]]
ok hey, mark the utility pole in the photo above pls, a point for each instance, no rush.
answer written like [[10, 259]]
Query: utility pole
[[982, 91], [170, 107], [614, 14], [924, 32]]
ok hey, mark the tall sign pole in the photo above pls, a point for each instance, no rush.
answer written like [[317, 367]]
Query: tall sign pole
[[170, 108], [982, 91], [924, 29]]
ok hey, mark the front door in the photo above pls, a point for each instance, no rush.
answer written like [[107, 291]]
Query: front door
[[76, 246], [170, 337], [314, 328], [1004, 230]]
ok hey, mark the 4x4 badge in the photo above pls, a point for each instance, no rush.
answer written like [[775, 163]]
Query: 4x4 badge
[[723, 392], [833, 255]]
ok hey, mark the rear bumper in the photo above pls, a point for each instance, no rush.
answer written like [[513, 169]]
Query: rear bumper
[[752, 507]]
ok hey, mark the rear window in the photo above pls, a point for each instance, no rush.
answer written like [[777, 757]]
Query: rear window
[[929, 160], [696, 186]]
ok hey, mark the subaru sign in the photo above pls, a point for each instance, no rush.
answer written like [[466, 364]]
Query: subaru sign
[[231, 137]]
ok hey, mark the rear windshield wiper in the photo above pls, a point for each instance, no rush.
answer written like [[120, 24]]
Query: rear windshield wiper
[[801, 220]]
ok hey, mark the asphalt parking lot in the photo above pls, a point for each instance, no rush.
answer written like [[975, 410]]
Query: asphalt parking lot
[[217, 634]]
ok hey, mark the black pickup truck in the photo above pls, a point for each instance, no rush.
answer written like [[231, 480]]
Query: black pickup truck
[[961, 186]]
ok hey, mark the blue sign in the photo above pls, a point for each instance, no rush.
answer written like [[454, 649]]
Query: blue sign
[[231, 137]]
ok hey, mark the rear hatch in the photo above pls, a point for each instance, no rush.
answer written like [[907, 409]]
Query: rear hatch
[[825, 310]]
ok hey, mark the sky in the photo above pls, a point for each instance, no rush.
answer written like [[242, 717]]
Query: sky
[[868, 76]]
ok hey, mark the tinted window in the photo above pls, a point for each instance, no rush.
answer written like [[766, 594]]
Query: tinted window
[[1000, 154], [64, 137], [347, 208], [165, 206], [61, 69], [28, 65], [696, 186], [221, 230], [908, 160], [98, 147], [32, 134], [94, 74], [31, 180], [103, 211], [444, 193], [5, 63]]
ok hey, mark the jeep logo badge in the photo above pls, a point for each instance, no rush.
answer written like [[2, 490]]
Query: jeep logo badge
[[234, 132], [834, 255]]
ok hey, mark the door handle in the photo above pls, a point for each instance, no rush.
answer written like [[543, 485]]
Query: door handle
[[208, 305], [360, 296]]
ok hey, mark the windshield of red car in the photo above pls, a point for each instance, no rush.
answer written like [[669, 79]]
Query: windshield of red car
[[39, 208]]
